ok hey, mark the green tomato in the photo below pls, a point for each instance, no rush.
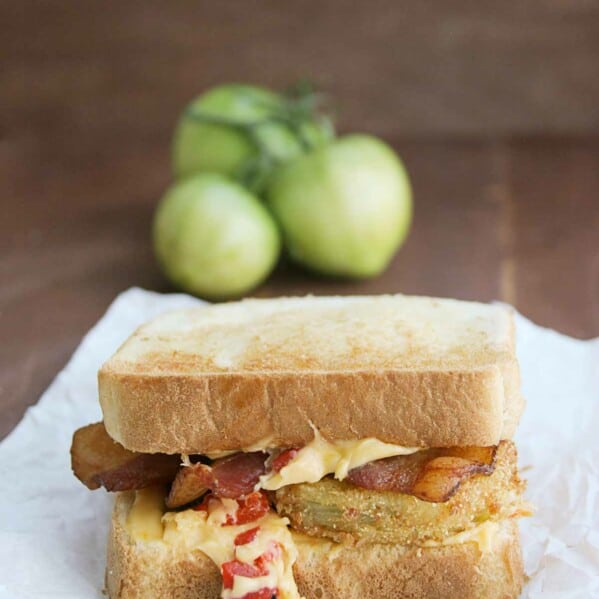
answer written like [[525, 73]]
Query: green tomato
[[344, 209], [205, 142], [213, 238]]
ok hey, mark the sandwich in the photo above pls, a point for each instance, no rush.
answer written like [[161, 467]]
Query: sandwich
[[317, 447]]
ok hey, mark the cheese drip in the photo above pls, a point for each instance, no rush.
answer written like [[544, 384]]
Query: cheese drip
[[209, 533], [321, 457]]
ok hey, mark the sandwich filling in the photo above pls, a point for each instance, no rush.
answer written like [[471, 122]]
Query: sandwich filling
[[244, 509], [250, 544]]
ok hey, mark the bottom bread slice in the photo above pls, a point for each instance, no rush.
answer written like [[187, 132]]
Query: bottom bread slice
[[324, 570]]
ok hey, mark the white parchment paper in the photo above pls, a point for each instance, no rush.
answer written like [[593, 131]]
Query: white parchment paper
[[53, 530]]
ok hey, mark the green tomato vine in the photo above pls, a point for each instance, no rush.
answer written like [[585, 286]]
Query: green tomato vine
[[301, 105]]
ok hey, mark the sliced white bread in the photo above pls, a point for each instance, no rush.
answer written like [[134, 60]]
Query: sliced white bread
[[414, 371]]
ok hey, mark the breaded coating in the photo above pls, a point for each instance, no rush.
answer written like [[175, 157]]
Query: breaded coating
[[343, 512]]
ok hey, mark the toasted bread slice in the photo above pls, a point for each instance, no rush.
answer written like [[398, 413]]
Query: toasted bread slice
[[413, 371], [324, 570]]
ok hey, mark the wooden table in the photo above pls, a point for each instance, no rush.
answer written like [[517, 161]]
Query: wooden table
[[506, 190]]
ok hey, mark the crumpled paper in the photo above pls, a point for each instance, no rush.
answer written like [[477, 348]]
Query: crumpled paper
[[53, 530]]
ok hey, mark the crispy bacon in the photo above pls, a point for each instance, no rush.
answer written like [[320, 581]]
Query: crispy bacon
[[233, 476], [99, 461], [431, 475], [243, 538], [190, 483]]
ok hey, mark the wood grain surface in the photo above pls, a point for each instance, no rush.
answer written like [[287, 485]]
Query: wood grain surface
[[494, 108]]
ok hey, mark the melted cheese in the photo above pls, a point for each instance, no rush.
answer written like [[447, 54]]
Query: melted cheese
[[199, 530], [147, 522], [483, 535], [321, 457], [144, 521]]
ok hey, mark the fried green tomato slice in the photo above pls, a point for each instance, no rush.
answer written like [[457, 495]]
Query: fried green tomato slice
[[343, 512]]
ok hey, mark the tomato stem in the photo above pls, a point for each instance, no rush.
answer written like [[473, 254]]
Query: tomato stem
[[299, 106]]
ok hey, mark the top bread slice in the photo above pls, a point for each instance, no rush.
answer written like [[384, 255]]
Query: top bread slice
[[415, 371]]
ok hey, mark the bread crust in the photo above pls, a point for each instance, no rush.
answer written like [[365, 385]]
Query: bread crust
[[214, 412], [323, 570]]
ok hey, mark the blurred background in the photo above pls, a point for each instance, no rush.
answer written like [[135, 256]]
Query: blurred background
[[493, 106]]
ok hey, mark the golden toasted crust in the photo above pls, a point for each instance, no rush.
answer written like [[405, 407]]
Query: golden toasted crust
[[407, 370], [324, 570]]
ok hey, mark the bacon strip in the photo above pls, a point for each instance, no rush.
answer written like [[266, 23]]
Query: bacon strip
[[431, 475], [233, 477], [99, 461]]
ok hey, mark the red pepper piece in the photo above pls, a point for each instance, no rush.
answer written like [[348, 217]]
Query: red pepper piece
[[262, 594], [252, 508], [273, 553], [283, 459], [237, 568], [243, 538]]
